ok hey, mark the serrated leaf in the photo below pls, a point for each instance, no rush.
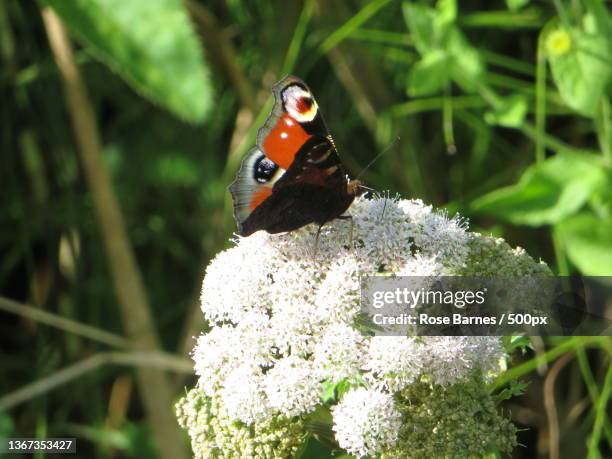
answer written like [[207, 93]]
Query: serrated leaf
[[588, 243], [511, 112], [150, 44], [429, 75], [514, 389], [581, 67], [546, 193]]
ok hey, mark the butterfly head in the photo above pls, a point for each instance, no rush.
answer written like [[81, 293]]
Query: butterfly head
[[354, 188]]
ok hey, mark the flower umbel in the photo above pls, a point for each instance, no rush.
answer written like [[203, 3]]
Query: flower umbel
[[283, 329], [366, 422]]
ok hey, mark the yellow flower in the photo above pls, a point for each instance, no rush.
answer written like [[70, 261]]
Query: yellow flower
[[558, 43]]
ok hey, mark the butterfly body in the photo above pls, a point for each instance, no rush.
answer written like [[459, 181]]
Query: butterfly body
[[293, 176]]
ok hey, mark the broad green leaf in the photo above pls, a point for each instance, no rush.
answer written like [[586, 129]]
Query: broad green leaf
[[447, 11], [515, 5], [588, 243], [598, 19], [601, 203], [322, 416], [314, 449], [429, 75], [434, 31], [422, 23], [581, 65], [546, 193], [467, 66], [148, 43], [511, 112]]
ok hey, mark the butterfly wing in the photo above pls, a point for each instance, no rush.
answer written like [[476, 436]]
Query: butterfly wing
[[294, 176], [313, 189], [253, 184], [294, 118], [316, 163]]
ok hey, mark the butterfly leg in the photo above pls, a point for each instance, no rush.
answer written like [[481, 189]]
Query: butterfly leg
[[348, 217], [316, 244]]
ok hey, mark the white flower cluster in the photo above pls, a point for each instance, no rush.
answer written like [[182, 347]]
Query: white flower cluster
[[366, 421], [283, 321]]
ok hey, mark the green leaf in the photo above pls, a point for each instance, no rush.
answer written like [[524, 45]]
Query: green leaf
[[421, 21], [342, 388], [510, 113], [581, 65], [521, 342], [546, 193], [515, 5], [429, 75], [321, 415], [588, 243], [150, 44], [334, 391], [314, 449], [467, 66], [515, 388], [329, 392], [447, 10], [598, 19], [434, 31]]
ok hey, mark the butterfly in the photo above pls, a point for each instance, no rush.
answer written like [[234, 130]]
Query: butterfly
[[293, 176]]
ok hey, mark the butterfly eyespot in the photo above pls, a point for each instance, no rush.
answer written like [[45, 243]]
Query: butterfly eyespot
[[264, 170], [304, 104], [299, 103]]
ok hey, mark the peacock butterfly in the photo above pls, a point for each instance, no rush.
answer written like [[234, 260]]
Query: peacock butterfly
[[293, 176]]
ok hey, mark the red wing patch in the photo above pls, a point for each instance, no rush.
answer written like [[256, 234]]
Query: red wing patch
[[260, 196], [284, 140]]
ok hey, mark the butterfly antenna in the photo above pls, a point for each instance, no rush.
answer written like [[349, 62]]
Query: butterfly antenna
[[391, 145], [367, 188]]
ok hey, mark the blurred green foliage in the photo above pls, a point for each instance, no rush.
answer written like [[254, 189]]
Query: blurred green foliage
[[502, 109], [150, 44]]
